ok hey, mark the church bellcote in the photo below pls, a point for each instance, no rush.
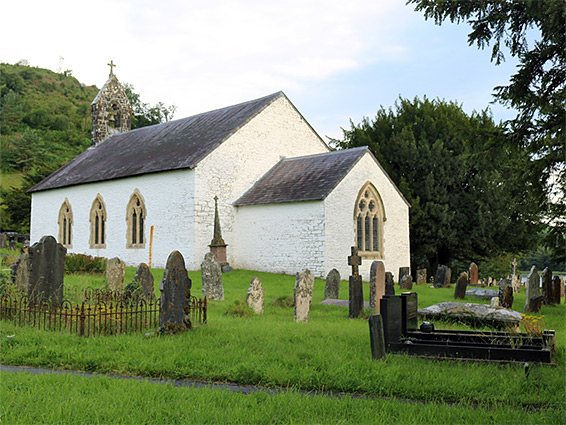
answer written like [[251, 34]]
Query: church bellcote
[[111, 110]]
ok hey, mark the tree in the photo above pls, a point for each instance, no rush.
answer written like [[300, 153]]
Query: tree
[[144, 114], [537, 90], [469, 194]]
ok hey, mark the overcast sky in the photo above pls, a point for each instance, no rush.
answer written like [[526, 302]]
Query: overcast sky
[[335, 60]]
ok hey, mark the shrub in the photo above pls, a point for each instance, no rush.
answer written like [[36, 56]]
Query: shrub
[[238, 308], [81, 263]]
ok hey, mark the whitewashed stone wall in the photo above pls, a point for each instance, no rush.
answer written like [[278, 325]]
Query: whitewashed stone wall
[[230, 170], [340, 225], [280, 238], [169, 201]]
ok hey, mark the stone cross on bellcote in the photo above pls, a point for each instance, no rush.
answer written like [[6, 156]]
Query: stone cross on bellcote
[[111, 65]]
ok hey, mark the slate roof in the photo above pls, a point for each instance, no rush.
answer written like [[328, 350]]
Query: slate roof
[[305, 178], [169, 146]]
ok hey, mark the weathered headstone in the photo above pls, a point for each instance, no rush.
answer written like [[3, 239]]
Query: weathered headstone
[[533, 288], [377, 338], [332, 288], [255, 296], [376, 284], [506, 294], [145, 279], [421, 276], [403, 271], [547, 290], [556, 289], [474, 274], [448, 277], [211, 278], [495, 302], [562, 288], [175, 291], [534, 304], [115, 272], [304, 285], [20, 271], [406, 282], [516, 283], [440, 277], [461, 286], [46, 271], [356, 295], [389, 284]]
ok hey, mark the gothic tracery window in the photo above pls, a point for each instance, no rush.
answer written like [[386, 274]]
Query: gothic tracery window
[[98, 223], [369, 216], [135, 216], [65, 224]]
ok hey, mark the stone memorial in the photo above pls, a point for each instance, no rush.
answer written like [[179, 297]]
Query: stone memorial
[[483, 293], [547, 290], [495, 302], [389, 284], [474, 274], [115, 272], [377, 338], [471, 313], [506, 294], [217, 245], [403, 271], [46, 271], [175, 291], [332, 288], [441, 277], [533, 288], [304, 286], [255, 296], [376, 284], [461, 286], [562, 288], [145, 279], [534, 304], [406, 282], [20, 272], [421, 276], [211, 278], [556, 289], [356, 294], [516, 283], [409, 310], [391, 313]]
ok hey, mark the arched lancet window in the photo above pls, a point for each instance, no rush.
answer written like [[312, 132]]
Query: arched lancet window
[[369, 216], [98, 223], [135, 217], [65, 224]]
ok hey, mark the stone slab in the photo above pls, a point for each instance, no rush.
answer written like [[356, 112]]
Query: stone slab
[[471, 312]]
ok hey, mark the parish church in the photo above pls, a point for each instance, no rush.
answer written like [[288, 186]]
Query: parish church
[[281, 198]]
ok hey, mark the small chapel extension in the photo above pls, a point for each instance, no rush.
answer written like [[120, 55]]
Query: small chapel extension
[[285, 200]]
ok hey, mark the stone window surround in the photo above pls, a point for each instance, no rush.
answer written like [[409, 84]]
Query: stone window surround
[[369, 193], [98, 209], [140, 230], [65, 224]]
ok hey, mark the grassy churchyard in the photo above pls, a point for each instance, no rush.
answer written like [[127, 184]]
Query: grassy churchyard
[[331, 353]]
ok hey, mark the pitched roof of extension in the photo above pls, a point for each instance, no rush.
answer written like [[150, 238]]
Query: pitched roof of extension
[[169, 146], [304, 178]]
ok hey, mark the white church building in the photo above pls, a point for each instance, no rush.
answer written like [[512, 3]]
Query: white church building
[[286, 201]]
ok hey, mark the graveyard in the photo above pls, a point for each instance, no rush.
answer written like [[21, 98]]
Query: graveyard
[[325, 354]]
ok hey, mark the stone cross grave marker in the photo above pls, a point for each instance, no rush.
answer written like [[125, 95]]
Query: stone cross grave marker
[[255, 296], [376, 284], [356, 296], [115, 272], [389, 284], [474, 274], [211, 278], [46, 271], [547, 290], [332, 288], [175, 291], [304, 286], [421, 276], [461, 286], [533, 289], [145, 279]]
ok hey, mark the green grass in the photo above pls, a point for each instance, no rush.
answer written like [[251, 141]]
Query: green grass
[[330, 353]]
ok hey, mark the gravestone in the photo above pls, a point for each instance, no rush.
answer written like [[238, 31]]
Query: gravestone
[[389, 284], [474, 274], [483, 293], [46, 271], [145, 279], [562, 288], [440, 277], [255, 296], [376, 284], [506, 294], [391, 313], [495, 302], [556, 289], [409, 311], [533, 289], [406, 282], [115, 272], [332, 288], [356, 294], [534, 304], [175, 290], [547, 290], [448, 277], [377, 338], [403, 271], [20, 271], [211, 278], [421, 276], [516, 283], [304, 285], [461, 286]]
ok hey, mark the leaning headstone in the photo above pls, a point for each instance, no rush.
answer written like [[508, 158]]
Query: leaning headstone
[[211, 278], [377, 339], [20, 271], [440, 277], [474, 274], [145, 279], [533, 288], [534, 304], [304, 285], [356, 294], [255, 296], [461, 286], [547, 291], [556, 289], [115, 272], [46, 271], [506, 294], [175, 291], [403, 271], [332, 288], [389, 284], [421, 276], [406, 282], [376, 284]]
